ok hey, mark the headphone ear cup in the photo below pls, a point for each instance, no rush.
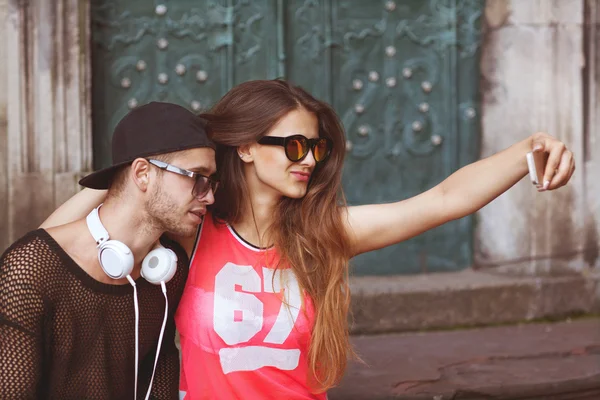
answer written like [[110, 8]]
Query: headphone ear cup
[[116, 259], [159, 265]]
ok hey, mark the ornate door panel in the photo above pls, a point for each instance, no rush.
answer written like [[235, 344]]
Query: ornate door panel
[[187, 52], [402, 75]]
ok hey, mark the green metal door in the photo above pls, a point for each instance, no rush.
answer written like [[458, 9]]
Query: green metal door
[[403, 76]]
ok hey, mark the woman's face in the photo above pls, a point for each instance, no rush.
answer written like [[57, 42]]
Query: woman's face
[[269, 170]]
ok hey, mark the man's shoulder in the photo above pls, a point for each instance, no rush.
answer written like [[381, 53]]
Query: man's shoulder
[[30, 246], [26, 255]]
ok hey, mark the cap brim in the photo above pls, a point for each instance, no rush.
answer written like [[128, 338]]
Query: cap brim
[[101, 179]]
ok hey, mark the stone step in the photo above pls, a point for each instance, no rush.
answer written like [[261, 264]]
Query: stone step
[[382, 304]]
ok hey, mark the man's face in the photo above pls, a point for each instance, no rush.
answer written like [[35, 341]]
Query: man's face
[[170, 202]]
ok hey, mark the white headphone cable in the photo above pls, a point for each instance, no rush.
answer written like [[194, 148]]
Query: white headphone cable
[[160, 337], [137, 325]]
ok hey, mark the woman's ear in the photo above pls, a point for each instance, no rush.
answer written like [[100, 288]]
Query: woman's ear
[[245, 153]]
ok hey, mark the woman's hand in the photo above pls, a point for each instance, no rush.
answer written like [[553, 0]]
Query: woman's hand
[[560, 165]]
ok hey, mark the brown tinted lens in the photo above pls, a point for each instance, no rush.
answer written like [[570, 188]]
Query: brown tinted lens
[[201, 186], [321, 150], [296, 148]]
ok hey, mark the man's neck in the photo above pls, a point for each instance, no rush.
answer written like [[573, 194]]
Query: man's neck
[[128, 223], [125, 221]]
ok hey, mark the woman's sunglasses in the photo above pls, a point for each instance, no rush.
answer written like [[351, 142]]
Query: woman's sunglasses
[[297, 146]]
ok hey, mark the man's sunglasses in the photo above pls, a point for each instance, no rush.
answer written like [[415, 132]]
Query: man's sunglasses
[[202, 185], [297, 146]]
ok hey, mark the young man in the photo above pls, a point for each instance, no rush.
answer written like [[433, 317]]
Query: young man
[[71, 296]]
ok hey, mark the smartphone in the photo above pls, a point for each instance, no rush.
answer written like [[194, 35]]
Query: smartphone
[[536, 162]]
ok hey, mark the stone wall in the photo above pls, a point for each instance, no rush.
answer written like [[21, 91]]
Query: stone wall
[[540, 72], [45, 133]]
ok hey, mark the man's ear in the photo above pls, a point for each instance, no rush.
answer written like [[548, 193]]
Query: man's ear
[[245, 152], [140, 173]]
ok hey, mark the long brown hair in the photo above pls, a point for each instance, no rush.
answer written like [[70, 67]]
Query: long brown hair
[[308, 232]]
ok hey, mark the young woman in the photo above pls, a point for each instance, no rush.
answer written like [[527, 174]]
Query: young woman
[[264, 312]]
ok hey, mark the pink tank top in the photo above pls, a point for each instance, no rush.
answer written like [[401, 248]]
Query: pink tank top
[[244, 326]]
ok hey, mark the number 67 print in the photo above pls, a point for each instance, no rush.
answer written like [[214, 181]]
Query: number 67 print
[[238, 317]]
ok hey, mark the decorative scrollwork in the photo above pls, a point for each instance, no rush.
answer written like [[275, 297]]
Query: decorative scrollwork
[[194, 24], [469, 26], [313, 42], [248, 17], [118, 28], [185, 86]]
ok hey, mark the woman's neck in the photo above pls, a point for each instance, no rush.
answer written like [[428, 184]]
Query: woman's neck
[[257, 219]]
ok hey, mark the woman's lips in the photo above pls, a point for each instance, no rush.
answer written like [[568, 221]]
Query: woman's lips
[[301, 176]]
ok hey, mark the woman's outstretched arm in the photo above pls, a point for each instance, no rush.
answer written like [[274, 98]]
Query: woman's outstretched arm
[[75, 208], [470, 188]]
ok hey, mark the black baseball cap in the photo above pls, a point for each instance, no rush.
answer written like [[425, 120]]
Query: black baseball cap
[[154, 128]]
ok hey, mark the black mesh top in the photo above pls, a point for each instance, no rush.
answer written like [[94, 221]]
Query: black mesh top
[[64, 335]]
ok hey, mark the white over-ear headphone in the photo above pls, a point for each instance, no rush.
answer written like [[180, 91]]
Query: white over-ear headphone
[[159, 265], [116, 259]]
